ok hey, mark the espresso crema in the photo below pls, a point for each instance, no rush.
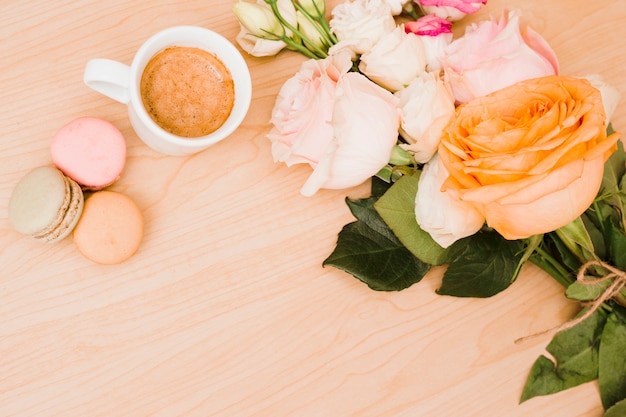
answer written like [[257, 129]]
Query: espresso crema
[[187, 91]]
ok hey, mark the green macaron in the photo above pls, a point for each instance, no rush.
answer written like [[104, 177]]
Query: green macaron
[[45, 204]]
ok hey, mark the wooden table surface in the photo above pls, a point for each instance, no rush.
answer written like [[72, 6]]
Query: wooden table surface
[[226, 309]]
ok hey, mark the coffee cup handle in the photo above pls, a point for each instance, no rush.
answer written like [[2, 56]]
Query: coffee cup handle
[[108, 77]]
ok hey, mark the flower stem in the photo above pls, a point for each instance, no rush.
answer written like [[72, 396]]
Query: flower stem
[[317, 52], [295, 46], [601, 221], [320, 25], [545, 261], [410, 11]]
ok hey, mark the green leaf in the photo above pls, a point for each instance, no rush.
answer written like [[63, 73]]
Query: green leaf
[[617, 244], [567, 258], [397, 208], [363, 210], [401, 157], [575, 236], [618, 410], [612, 361], [370, 251], [575, 353], [553, 257], [530, 246], [380, 262], [586, 292], [595, 230], [486, 265], [612, 192], [385, 173], [614, 169], [379, 187], [612, 186]]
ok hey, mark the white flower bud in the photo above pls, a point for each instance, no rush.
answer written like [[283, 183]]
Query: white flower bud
[[316, 8], [258, 19], [309, 30]]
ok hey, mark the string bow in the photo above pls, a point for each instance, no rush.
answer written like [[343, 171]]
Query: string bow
[[619, 281]]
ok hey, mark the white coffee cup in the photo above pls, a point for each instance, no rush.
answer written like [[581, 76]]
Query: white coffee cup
[[122, 83]]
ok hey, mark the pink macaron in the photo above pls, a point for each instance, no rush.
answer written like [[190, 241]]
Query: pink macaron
[[91, 151]]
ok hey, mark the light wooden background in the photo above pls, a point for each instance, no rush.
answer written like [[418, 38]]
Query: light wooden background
[[226, 309]]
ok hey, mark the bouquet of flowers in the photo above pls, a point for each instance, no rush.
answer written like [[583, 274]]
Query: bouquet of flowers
[[482, 157]]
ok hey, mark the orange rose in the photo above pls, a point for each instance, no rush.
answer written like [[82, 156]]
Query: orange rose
[[529, 157]]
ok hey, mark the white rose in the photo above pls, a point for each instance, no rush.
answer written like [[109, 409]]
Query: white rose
[[396, 60], [350, 46], [361, 23], [610, 94], [396, 6], [434, 47], [446, 219], [436, 34], [426, 105]]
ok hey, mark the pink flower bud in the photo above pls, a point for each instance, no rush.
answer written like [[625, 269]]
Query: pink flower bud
[[429, 25]]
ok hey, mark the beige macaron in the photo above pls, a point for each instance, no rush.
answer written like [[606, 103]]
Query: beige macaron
[[45, 204]]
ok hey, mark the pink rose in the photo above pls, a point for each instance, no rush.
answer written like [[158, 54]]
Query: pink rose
[[451, 9], [429, 25], [341, 124], [494, 54], [303, 111], [366, 122]]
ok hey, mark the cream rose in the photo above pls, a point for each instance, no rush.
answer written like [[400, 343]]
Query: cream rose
[[396, 60], [446, 219], [530, 157], [359, 24], [495, 54]]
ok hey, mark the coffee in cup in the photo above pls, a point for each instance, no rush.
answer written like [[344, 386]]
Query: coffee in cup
[[187, 91], [122, 83]]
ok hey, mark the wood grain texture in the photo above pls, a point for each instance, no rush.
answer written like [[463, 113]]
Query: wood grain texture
[[226, 309]]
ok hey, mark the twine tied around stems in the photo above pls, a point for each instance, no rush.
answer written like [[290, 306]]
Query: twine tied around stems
[[619, 281]]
